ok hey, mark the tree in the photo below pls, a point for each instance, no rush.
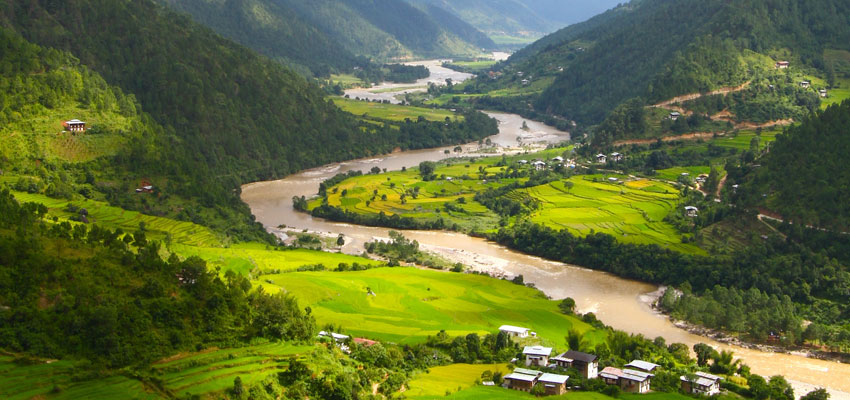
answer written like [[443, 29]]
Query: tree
[[819, 394], [574, 339], [426, 169], [237, 387], [567, 306], [340, 240], [538, 390], [704, 353]]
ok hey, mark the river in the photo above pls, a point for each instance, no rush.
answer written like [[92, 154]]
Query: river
[[620, 303]]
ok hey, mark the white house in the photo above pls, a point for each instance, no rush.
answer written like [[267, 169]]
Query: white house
[[641, 365], [74, 125], [537, 355], [514, 331], [634, 381], [782, 64], [805, 84], [539, 165], [523, 162], [675, 115], [601, 158], [558, 159], [701, 383], [586, 364], [822, 92], [691, 211], [616, 157]]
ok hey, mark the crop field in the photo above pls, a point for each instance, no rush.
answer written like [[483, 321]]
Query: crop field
[[392, 112], [631, 210], [214, 371], [246, 258], [54, 380], [346, 80], [491, 392], [672, 174], [438, 381], [837, 94], [114, 217], [407, 304], [365, 194]]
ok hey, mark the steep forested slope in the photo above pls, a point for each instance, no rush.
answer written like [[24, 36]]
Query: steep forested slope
[[661, 50], [657, 49], [271, 28], [807, 170]]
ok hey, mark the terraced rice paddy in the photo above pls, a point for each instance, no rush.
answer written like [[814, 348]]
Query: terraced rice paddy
[[438, 381], [631, 210], [406, 304], [492, 392], [214, 371], [392, 112]]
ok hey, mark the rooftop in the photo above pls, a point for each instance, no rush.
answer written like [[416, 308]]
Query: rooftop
[[611, 373], [521, 377], [644, 365], [578, 356], [537, 350], [553, 378], [511, 328], [526, 371], [634, 375]]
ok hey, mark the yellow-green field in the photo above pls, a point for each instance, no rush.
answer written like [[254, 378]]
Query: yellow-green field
[[631, 210], [392, 112], [438, 381], [409, 304]]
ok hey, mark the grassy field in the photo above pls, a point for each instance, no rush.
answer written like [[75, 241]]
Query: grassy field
[[214, 370], [346, 80], [631, 210], [838, 94], [491, 392], [256, 258], [409, 304], [450, 378], [54, 380], [392, 112]]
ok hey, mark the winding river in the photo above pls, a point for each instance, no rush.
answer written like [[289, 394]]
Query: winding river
[[621, 303]]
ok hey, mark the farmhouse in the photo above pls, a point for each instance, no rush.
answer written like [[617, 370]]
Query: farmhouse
[[616, 157], [558, 159], [555, 384], [613, 180], [641, 365], [523, 162], [525, 81], [629, 380], [145, 189], [522, 379], [675, 115], [74, 125], [338, 338], [782, 64], [514, 331], [691, 211], [805, 84], [701, 383], [822, 92], [601, 158], [586, 364], [539, 165], [537, 355]]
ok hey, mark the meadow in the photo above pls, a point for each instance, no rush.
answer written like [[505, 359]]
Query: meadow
[[392, 112], [406, 305]]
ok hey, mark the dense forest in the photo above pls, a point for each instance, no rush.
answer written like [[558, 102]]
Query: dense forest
[[657, 49], [806, 171]]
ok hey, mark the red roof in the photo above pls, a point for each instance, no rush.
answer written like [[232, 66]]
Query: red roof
[[364, 342]]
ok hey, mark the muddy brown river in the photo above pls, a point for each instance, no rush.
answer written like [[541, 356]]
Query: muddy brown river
[[621, 303]]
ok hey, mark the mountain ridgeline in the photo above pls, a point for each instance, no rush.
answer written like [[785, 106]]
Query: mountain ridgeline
[[658, 49], [336, 35]]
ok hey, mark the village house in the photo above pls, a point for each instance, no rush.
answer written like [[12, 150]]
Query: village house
[[339, 339], [553, 383], [539, 165], [701, 383], [805, 84], [558, 159], [522, 379], [537, 355], [74, 125], [586, 364], [641, 365], [691, 211], [145, 189], [613, 180], [514, 331], [525, 82], [364, 342], [629, 380], [822, 92], [675, 115], [523, 162], [601, 158], [782, 64], [616, 157]]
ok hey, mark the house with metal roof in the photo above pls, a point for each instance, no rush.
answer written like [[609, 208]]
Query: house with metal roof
[[701, 383], [537, 355], [586, 364], [641, 365], [515, 331]]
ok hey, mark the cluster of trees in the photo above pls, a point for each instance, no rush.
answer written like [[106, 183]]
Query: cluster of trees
[[813, 281], [126, 306], [805, 171]]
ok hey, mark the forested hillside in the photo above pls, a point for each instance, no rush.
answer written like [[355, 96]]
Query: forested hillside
[[330, 33], [221, 115], [273, 29], [807, 170], [659, 49]]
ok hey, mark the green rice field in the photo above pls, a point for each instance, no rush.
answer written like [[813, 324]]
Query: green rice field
[[392, 112], [438, 381], [408, 304]]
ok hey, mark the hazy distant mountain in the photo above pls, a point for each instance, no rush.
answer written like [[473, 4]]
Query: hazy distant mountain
[[522, 17]]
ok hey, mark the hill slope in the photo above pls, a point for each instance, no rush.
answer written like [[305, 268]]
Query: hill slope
[[656, 49]]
